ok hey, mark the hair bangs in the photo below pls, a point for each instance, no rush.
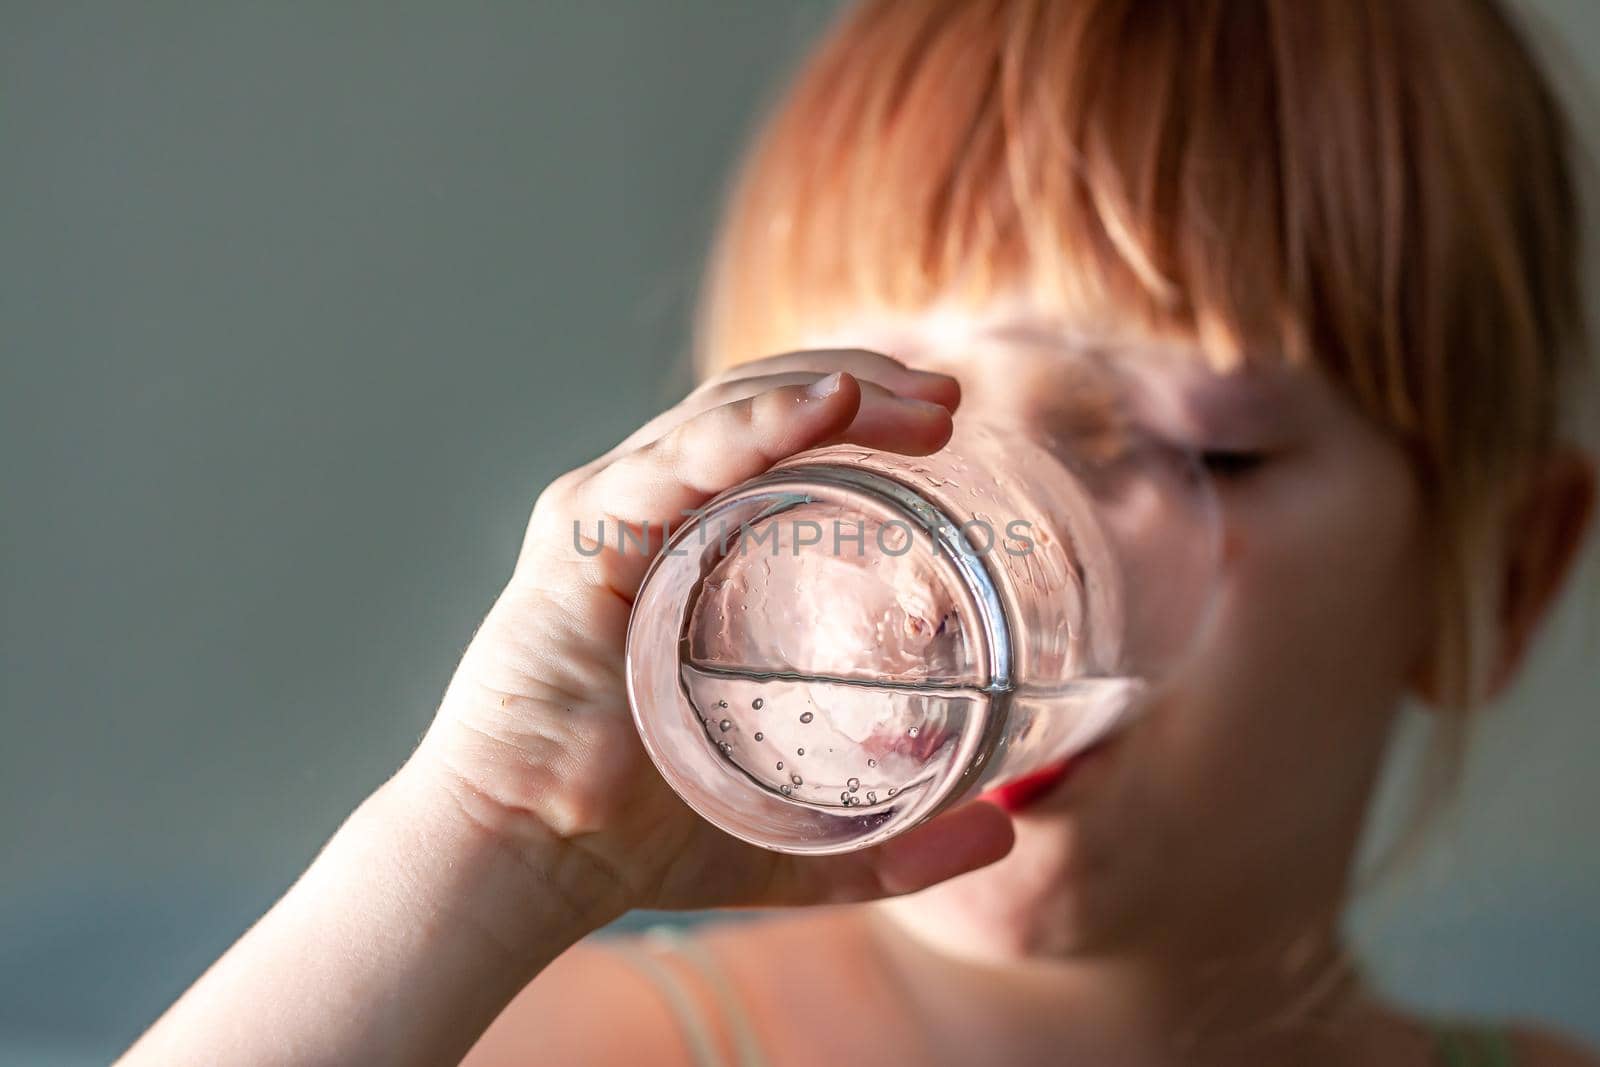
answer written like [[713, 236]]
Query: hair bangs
[[1268, 179]]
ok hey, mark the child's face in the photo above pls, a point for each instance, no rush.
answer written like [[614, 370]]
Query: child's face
[[1234, 807]]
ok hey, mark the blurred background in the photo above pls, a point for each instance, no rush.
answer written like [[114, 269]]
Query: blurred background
[[300, 306]]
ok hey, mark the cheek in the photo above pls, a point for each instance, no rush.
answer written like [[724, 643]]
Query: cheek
[[1326, 585], [1271, 744]]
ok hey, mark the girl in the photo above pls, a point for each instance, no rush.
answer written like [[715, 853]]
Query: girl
[[1338, 237]]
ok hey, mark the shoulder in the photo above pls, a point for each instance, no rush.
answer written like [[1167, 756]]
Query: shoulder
[[592, 1005], [1534, 1046], [598, 1003]]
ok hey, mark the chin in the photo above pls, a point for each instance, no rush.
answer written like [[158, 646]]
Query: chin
[[1046, 899]]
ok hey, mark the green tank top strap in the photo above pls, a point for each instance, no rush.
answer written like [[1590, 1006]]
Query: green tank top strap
[[1472, 1045]]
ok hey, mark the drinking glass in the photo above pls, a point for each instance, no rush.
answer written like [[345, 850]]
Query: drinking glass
[[837, 650]]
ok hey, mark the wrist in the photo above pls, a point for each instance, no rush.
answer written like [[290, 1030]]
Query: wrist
[[523, 883]]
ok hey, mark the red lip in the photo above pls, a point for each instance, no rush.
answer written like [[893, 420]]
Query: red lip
[[1024, 792]]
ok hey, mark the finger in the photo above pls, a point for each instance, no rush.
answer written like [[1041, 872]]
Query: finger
[[972, 836], [861, 363], [938, 389], [884, 418], [732, 443], [652, 488], [728, 390]]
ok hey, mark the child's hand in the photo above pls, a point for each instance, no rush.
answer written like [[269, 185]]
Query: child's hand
[[534, 739]]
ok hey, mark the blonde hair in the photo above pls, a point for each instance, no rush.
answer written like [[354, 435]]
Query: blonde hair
[[1380, 187]]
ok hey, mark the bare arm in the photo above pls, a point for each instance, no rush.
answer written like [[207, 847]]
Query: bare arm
[[530, 814], [400, 944]]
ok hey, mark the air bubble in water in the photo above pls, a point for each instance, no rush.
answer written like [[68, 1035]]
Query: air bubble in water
[[870, 762], [854, 784], [760, 736], [806, 716], [796, 779], [799, 752], [912, 732], [725, 725], [757, 703], [726, 748], [893, 790], [785, 790], [872, 798], [780, 765], [722, 703]]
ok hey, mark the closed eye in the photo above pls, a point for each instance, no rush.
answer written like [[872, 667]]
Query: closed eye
[[1226, 463]]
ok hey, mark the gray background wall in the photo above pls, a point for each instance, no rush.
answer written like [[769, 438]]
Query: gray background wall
[[300, 305]]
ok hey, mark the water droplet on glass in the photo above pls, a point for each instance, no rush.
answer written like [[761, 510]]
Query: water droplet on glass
[[760, 736], [796, 779], [757, 703], [806, 716], [725, 725], [854, 784]]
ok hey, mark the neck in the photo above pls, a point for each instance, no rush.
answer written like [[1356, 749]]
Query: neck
[[1285, 997]]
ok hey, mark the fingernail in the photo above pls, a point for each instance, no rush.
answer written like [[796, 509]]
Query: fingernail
[[824, 386]]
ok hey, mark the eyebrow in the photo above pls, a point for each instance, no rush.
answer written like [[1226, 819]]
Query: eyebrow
[[1047, 336], [1043, 334], [1225, 407], [1177, 386], [1169, 381]]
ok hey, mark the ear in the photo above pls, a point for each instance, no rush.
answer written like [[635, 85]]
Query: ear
[[1544, 531]]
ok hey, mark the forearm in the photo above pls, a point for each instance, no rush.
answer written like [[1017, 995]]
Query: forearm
[[404, 939]]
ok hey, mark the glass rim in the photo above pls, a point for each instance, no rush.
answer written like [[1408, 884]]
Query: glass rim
[[800, 826]]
